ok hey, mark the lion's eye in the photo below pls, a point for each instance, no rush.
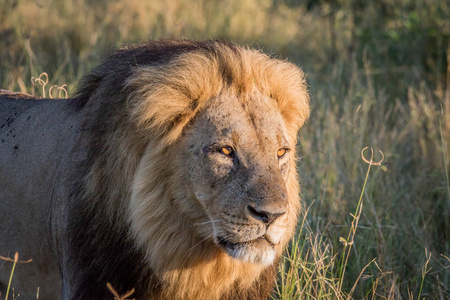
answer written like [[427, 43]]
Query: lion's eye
[[227, 150], [281, 152]]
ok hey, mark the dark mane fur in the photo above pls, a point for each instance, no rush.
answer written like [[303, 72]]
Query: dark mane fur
[[118, 64]]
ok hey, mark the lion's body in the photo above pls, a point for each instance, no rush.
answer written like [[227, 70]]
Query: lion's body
[[126, 182]]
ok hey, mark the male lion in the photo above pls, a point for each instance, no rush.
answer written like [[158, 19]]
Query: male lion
[[172, 171]]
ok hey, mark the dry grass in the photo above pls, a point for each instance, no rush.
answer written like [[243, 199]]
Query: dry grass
[[379, 75]]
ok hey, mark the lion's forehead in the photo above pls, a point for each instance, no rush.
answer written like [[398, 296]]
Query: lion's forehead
[[254, 121]]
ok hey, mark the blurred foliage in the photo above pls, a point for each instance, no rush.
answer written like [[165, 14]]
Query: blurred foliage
[[400, 37]]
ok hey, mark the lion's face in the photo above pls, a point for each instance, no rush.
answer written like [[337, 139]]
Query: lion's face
[[238, 163]]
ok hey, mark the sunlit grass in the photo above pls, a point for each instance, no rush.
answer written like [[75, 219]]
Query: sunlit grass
[[310, 270]]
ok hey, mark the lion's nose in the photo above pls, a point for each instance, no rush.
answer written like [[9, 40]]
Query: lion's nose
[[265, 215]]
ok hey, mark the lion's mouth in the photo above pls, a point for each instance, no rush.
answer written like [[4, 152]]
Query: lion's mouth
[[259, 251], [261, 241]]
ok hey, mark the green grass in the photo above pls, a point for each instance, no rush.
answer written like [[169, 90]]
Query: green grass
[[379, 76]]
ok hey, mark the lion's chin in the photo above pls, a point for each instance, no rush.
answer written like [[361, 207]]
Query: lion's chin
[[259, 251]]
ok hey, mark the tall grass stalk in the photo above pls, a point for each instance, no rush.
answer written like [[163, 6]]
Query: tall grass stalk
[[356, 216], [425, 270], [16, 259]]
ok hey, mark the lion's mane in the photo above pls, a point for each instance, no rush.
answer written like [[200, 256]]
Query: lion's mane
[[128, 225]]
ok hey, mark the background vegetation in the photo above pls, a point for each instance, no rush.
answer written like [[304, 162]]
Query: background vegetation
[[379, 76]]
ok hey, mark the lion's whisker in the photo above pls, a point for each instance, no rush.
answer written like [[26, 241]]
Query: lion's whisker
[[206, 238], [206, 222]]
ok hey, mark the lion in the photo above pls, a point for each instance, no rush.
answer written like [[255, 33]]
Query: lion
[[172, 171]]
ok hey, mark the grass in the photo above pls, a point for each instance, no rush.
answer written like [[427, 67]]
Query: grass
[[379, 76], [15, 261], [16, 258], [323, 276]]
